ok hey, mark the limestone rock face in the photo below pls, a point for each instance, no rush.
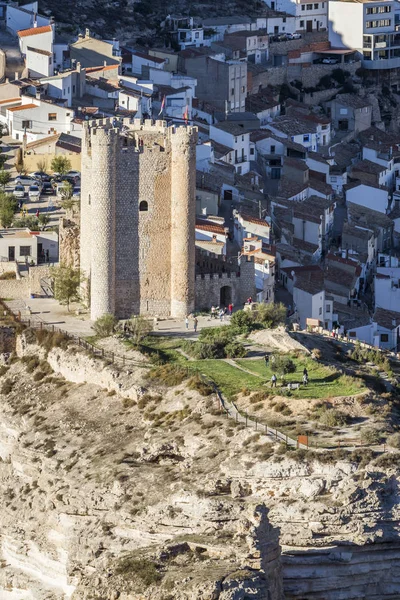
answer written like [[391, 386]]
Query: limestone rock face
[[113, 486]]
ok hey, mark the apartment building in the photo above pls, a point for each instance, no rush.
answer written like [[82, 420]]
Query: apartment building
[[372, 28]]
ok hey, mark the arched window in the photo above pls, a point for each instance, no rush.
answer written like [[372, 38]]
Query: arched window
[[143, 206]]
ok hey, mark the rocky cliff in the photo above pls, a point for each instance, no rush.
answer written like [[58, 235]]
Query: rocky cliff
[[129, 483]]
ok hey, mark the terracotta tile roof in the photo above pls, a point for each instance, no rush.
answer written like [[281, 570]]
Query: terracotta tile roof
[[210, 226], [254, 220], [22, 107], [103, 68], [34, 31], [10, 100]]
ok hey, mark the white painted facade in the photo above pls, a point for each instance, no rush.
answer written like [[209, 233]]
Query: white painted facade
[[24, 17], [369, 28], [23, 244], [138, 62], [310, 16], [387, 177], [240, 145], [39, 62], [368, 196], [312, 306], [247, 228], [40, 41], [276, 24], [387, 288], [40, 119]]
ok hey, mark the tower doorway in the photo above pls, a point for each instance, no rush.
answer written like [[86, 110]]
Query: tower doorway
[[225, 295]]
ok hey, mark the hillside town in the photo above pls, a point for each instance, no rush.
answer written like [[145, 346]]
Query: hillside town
[[288, 189], [199, 300]]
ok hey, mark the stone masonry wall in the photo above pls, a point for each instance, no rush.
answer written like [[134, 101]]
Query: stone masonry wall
[[138, 261]]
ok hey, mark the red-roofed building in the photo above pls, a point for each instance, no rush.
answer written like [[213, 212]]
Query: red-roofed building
[[38, 38]]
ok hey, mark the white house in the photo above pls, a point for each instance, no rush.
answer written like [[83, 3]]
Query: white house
[[310, 16], [368, 195], [310, 131], [368, 27], [233, 136], [141, 60], [387, 288], [23, 245], [211, 235], [276, 22], [39, 118], [41, 38], [311, 302], [246, 226], [383, 332], [24, 17]]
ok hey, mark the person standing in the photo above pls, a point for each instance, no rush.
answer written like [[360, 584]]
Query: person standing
[[187, 322], [195, 323]]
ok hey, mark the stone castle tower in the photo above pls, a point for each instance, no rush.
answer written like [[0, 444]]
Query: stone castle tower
[[138, 218]]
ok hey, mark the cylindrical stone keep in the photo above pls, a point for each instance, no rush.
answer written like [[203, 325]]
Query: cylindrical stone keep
[[105, 150], [183, 219]]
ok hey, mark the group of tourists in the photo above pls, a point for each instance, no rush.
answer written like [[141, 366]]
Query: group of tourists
[[220, 313], [274, 378]]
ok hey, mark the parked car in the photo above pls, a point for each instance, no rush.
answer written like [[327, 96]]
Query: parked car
[[47, 188], [75, 174], [61, 185], [330, 61], [19, 191], [34, 192], [40, 176], [25, 180]]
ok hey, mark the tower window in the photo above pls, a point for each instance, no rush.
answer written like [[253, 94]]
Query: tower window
[[143, 206]]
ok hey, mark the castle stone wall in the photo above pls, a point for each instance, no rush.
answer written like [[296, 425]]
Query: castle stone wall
[[138, 261]]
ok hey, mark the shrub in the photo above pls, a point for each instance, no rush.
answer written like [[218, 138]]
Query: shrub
[[316, 353], [7, 387], [3, 370], [243, 321], [235, 350], [143, 568], [168, 374], [370, 436], [8, 275], [138, 328], [197, 383], [105, 326], [330, 417], [282, 364], [394, 440], [31, 362], [271, 315]]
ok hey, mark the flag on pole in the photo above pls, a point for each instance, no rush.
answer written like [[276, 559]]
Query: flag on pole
[[162, 106], [186, 114]]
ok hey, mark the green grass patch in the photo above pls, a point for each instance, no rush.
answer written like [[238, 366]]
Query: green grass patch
[[229, 380], [323, 382]]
